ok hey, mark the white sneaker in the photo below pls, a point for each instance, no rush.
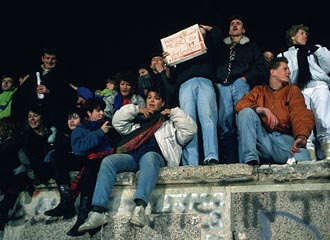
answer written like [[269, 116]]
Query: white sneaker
[[138, 217], [94, 220]]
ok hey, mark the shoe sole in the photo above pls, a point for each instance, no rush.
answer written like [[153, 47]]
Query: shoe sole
[[136, 223], [86, 229]]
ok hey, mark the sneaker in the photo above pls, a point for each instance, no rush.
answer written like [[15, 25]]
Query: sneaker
[[138, 217], [94, 220]]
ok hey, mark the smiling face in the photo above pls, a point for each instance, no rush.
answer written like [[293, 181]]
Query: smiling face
[[154, 101], [34, 120], [49, 61]]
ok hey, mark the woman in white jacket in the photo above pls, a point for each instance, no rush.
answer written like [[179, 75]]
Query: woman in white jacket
[[310, 67], [162, 142]]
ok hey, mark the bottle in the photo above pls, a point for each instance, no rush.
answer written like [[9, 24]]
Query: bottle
[[40, 95]]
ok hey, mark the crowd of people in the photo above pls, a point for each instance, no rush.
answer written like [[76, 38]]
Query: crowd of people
[[233, 104]]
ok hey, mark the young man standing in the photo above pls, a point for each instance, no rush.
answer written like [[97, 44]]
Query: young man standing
[[239, 66]]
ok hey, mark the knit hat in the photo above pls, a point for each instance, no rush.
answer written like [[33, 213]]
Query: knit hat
[[85, 93]]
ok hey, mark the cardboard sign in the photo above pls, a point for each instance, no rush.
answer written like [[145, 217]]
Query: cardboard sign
[[183, 45]]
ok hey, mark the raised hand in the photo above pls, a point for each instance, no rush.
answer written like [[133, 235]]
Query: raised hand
[[23, 79]]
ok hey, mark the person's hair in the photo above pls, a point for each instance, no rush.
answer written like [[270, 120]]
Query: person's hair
[[239, 17], [94, 103], [48, 50], [72, 112], [161, 93], [111, 79], [8, 75], [7, 128], [292, 31], [35, 108], [275, 63], [127, 76], [143, 66]]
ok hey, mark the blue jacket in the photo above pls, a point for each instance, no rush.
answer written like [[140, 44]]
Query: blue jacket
[[89, 138]]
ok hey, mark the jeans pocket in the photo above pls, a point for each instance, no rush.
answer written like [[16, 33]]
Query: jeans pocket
[[240, 88]]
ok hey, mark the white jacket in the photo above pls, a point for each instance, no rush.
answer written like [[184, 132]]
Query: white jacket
[[171, 136], [319, 65], [110, 101]]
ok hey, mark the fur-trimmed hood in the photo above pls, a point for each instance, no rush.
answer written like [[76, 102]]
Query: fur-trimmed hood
[[243, 40]]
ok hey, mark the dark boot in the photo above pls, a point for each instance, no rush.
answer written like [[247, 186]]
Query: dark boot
[[66, 206], [6, 204], [84, 208], [3, 219]]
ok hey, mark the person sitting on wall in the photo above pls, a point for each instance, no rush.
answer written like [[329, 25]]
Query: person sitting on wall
[[273, 121], [160, 140]]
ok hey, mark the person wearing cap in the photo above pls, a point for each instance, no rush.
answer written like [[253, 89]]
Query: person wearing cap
[[310, 68], [83, 94], [240, 65]]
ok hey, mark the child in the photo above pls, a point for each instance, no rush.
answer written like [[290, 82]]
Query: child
[[110, 87]]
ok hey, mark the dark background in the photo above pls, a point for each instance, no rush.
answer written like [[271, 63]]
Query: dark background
[[97, 39]]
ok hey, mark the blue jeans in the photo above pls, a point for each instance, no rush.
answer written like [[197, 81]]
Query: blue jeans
[[257, 142], [149, 165], [197, 99], [229, 95]]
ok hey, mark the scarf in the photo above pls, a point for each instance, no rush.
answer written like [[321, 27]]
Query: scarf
[[304, 74], [138, 137], [44, 70], [120, 101], [232, 54]]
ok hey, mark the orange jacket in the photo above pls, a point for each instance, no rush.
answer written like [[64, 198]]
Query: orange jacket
[[287, 104]]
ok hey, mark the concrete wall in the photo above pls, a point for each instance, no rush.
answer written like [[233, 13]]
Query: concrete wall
[[210, 203]]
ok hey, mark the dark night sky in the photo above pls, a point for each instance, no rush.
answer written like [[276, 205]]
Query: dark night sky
[[95, 40]]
